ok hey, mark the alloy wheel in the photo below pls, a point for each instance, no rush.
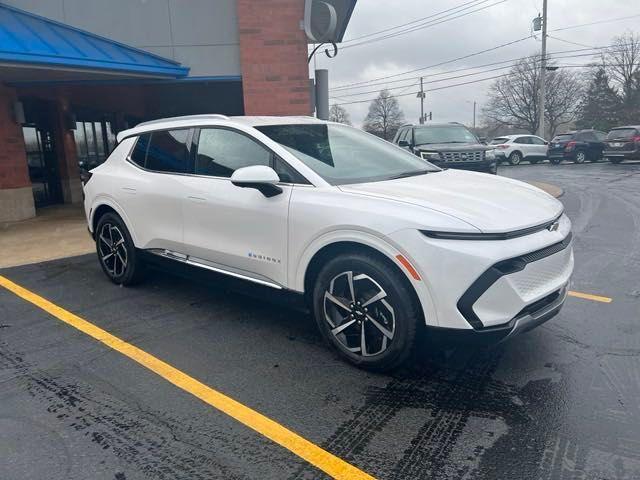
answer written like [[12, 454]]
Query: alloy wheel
[[359, 314], [580, 157], [515, 158], [113, 252]]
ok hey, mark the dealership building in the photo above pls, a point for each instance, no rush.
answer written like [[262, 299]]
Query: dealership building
[[75, 72]]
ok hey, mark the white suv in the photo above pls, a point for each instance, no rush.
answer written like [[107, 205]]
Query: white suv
[[516, 148], [380, 241]]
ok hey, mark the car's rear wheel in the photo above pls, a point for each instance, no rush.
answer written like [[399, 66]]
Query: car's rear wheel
[[555, 161], [533, 161], [515, 158], [580, 157], [116, 252], [365, 309]]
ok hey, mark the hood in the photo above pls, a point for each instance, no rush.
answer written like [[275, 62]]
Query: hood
[[490, 203], [451, 147]]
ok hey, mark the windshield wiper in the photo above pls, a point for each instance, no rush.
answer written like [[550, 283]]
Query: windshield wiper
[[411, 173]]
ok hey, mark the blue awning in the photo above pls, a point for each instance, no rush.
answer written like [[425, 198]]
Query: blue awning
[[30, 40]]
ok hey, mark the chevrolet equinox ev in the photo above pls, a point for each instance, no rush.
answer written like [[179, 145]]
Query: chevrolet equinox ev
[[380, 241]]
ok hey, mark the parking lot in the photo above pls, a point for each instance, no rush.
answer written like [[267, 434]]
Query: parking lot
[[560, 402]]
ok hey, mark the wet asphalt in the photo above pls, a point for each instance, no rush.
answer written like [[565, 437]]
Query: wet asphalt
[[560, 402]]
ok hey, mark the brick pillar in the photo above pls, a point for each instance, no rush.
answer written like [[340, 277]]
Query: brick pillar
[[16, 196], [273, 57], [67, 154]]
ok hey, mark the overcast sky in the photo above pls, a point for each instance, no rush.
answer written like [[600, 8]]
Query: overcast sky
[[499, 24]]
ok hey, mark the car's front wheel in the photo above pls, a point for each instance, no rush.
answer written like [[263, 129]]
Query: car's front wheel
[[116, 251], [515, 158], [365, 309], [555, 161], [581, 157]]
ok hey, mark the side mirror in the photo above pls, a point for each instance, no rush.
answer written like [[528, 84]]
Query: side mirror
[[403, 143], [262, 178]]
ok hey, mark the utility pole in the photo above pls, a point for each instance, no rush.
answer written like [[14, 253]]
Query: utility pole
[[543, 73], [421, 95], [474, 114]]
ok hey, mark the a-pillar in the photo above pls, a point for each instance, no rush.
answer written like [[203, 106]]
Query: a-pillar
[[16, 195]]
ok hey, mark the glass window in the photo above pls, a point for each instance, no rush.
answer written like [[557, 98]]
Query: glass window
[[343, 155], [222, 151], [587, 137], [443, 134], [622, 134], [537, 141], [563, 137], [600, 136], [499, 141], [168, 151], [522, 141], [139, 153]]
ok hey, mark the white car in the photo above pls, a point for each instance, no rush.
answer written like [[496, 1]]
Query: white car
[[516, 148], [380, 241]]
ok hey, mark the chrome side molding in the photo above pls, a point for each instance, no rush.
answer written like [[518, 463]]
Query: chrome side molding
[[181, 257]]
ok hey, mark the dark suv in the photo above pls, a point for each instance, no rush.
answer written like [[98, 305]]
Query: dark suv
[[447, 145], [623, 143], [578, 146]]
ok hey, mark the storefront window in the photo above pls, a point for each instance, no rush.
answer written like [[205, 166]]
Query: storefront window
[[94, 142]]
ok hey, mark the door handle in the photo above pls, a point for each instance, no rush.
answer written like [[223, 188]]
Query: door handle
[[197, 199], [129, 190]]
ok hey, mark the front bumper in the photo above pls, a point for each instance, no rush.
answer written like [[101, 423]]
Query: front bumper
[[476, 286]]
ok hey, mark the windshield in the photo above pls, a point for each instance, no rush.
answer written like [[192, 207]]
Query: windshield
[[444, 134], [621, 133], [563, 138], [499, 140], [343, 155]]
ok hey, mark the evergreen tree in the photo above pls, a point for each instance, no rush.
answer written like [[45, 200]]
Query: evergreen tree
[[600, 105]]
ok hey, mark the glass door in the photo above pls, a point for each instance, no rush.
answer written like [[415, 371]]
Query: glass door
[[43, 168]]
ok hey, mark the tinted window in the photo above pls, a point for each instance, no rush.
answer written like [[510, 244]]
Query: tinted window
[[537, 141], [622, 134], [221, 152], [139, 153], [343, 155], [168, 151], [522, 140], [565, 137], [600, 136], [587, 137]]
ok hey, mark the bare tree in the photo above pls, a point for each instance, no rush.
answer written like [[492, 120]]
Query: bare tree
[[384, 117], [339, 114], [622, 63], [513, 99]]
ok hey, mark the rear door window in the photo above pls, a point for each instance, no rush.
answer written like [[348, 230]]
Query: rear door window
[[139, 152], [168, 151], [622, 134], [523, 141]]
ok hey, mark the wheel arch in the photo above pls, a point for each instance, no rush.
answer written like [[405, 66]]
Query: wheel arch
[[519, 152], [105, 205], [330, 245]]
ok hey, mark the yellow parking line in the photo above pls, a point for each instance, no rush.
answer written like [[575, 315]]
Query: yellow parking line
[[325, 461], [588, 296]]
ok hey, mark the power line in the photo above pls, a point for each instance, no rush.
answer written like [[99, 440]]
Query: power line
[[570, 27], [372, 82], [420, 27], [570, 42], [477, 2], [437, 64]]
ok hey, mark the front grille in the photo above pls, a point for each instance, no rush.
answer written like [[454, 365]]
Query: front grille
[[475, 156]]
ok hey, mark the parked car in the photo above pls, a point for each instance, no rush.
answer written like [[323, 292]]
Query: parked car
[[447, 145], [623, 143], [380, 242], [578, 146], [516, 148]]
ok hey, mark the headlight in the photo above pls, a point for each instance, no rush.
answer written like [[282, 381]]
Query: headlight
[[430, 155], [490, 154]]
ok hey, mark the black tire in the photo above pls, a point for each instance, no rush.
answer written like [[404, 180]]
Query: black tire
[[515, 158], [118, 257], [555, 161], [369, 274], [533, 161], [580, 157], [615, 160]]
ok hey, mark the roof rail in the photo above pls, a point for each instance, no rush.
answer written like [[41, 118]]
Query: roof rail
[[205, 116]]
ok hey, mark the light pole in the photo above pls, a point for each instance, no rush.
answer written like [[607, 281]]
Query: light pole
[[421, 95]]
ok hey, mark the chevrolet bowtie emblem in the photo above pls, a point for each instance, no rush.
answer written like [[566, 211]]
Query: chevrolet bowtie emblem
[[554, 226]]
